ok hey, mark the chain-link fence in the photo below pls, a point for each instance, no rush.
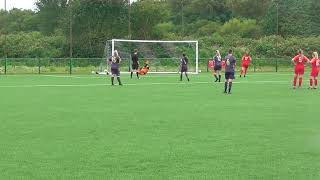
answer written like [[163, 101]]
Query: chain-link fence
[[87, 65], [268, 65]]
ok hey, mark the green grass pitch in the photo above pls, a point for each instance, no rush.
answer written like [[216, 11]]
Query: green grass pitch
[[79, 127]]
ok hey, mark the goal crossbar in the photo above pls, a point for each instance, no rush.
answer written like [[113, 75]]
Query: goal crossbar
[[152, 41]]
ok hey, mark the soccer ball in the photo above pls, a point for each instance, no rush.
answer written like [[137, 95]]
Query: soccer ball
[[199, 71], [93, 72]]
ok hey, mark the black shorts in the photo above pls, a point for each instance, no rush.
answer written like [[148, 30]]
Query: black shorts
[[217, 68], [184, 69], [115, 72], [229, 75], [135, 66]]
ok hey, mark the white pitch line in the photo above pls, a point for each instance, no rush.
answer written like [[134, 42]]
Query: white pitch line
[[142, 84], [105, 76], [127, 77], [72, 76], [53, 85]]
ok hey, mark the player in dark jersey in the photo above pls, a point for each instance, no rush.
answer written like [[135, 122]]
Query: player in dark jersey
[[115, 67], [184, 66], [217, 66], [135, 64], [230, 71]]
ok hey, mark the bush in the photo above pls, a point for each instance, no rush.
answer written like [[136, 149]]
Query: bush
[[243, 28], [33, 44], [163, 30]]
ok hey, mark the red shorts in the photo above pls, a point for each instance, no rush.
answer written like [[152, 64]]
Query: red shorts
[[245, 66], [315, 72], [299, 70]]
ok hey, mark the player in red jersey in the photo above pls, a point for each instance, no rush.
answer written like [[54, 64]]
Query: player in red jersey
[[246, 61], [299, 61], [315, 64]]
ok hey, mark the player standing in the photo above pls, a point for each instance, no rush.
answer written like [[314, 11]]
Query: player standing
[[115, 67], [246, 61], [230, 71], [135, 64], [184, 66], [299, 61], [217, 66], [315, 63]]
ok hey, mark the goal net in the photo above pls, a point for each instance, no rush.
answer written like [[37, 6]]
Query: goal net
[[163, 56]]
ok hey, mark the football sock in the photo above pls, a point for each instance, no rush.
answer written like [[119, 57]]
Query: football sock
[[230, 87], [300, 82], [295, 82], [118, 78], [311, 82], [187, 76], [131, 74], [225, 87], [216, 77], [219, 78], [137, 75], [112, 80], [181, 77], [316, 83]]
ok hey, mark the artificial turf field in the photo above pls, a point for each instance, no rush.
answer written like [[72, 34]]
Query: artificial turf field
[[79, 127]]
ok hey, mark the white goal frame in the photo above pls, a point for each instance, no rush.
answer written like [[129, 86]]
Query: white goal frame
[[158, 41]]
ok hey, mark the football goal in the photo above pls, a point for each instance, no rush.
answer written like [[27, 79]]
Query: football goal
[[163, 56]]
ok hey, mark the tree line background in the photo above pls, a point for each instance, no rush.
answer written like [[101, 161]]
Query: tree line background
[[267, 28]]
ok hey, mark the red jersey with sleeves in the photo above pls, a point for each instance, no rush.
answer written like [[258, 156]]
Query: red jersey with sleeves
[[315, 67], [300, 61], [246, 60], [314, 63]]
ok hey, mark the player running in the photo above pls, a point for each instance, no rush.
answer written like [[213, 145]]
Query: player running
[[246, 61], [217, 66], [115, 67], [184, 66], [315, 64], [230, 71], [299, 61], [135, 64]]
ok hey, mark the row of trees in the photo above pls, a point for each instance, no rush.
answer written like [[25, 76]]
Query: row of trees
[[216, 23]]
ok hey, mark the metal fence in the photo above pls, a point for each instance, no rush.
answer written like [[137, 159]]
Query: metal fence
[[282, 64], [87, 65]]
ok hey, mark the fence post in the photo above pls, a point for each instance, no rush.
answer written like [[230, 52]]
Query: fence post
[[5, 66], [70, 66], [277, 65], [39, 65], [130, 63]]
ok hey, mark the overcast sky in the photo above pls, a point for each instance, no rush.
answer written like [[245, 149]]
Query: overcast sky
[[24, 4]]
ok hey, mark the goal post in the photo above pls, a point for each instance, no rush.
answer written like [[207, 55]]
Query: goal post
[[163, 56]]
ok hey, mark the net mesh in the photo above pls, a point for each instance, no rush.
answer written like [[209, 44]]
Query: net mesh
[[162, 56]]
